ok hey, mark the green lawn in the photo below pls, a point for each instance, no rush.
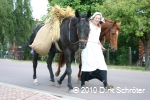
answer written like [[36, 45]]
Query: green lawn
[[134, 68]]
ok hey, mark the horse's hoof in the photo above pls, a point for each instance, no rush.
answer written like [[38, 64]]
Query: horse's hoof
[[36, 82], [83, 86], [109, 87], [52, 83], [70, 91], [56, 74], [78, 81], [58, 85]]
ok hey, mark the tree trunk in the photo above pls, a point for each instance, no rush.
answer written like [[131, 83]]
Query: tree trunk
[[107, 56], [147, 60], [130, 56]]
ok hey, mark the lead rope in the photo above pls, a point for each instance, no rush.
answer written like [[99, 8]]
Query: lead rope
[[69, 33], [77, 34]]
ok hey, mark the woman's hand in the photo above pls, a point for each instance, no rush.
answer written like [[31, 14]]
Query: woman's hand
[[101, 46], [103, 49], [99, 43]]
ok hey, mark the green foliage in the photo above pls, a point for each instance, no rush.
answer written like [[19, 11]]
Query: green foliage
[[135, 21], [123, 58], [15, 21], [81, 5], [128, 12], [133, 15], [6, 19], [23, 21], [27, 55]]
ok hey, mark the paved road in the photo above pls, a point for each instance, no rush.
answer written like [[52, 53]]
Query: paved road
[[133, 85]]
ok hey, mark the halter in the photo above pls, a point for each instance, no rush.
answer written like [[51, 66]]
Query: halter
[[80, 40], [110, 28]]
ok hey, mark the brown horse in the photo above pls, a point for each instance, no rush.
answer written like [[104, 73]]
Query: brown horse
[[110, 30]]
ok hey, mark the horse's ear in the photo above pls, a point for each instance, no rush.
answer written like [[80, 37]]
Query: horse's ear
[[119, 23], [74, 20], [77, 14], [114, 23], [89, 14]]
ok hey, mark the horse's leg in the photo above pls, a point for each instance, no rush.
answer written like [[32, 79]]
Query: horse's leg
[[69, 57], [79, 73], [58, 70], [62, 78], [51, 55], [34, 59], [68, 71], [64, 75]]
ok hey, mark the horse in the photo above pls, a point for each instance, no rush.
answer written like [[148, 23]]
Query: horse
[[74, 33], [110, 30]]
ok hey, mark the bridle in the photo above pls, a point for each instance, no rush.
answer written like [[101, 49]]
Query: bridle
[[110, 28], [80, 40]]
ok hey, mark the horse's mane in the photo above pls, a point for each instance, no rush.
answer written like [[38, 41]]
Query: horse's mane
[[108, 20]]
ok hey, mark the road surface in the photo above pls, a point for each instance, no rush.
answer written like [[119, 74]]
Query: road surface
[[133, 85]]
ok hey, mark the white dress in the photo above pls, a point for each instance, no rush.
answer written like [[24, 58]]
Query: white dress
[[92, 55]]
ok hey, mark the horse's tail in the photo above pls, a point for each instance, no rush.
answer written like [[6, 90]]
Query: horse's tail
[[61, 60], [31, 39]]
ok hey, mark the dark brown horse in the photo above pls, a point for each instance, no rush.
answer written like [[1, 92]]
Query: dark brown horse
[[110, 30], [74, 33]]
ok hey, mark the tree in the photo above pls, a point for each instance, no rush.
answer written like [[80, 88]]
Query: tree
[[135, 18], [133, 14], [23, 20], [80, 5], [15, 21], [6, 20]]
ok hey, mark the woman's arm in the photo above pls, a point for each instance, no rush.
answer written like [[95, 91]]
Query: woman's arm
[[101, 45]]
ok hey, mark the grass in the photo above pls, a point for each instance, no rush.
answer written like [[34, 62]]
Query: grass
[[133, 68], [116, 67]]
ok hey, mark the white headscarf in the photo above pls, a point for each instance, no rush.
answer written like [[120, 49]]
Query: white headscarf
[[98, 13]]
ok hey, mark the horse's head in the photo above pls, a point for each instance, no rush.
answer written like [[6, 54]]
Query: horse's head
[[83, 28], [112, 33]]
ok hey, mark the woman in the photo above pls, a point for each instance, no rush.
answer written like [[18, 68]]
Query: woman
[[93, 63]]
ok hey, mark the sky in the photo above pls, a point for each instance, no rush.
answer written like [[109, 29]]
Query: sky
[[39, 8]]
